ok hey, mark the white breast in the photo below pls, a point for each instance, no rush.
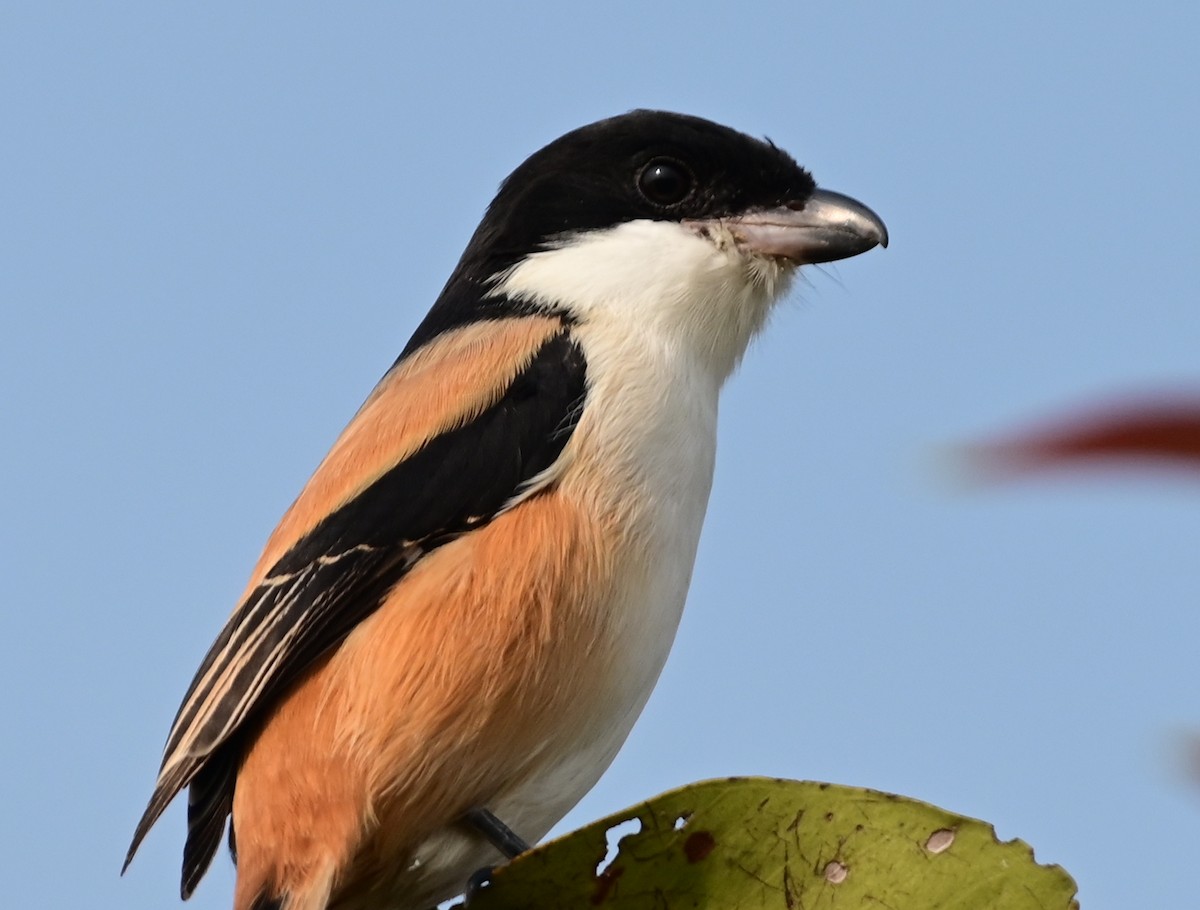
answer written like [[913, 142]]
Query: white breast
[[663, 316], [648, 437]]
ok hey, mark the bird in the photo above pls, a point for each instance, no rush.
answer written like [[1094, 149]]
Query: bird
[[453, 628]]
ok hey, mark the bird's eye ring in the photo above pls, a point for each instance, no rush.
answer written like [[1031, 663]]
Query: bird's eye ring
[[665, 181]]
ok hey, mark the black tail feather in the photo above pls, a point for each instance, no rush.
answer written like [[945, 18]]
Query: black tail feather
[[210, 800]]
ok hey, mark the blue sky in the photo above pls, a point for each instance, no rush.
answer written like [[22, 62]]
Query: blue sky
[[219, 224]]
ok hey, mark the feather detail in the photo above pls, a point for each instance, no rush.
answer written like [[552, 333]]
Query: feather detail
[[440, 386]]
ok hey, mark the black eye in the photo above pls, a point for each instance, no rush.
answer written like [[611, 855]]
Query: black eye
[[665, 181]]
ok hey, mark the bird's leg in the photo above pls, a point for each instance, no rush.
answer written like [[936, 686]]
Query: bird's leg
[[500, 836]]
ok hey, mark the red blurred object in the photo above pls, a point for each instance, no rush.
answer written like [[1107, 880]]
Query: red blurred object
[[1162, 430]]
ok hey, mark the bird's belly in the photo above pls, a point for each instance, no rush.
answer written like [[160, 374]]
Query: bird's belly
[[564, 772], [643, 606], [560, 772], [648, 619]]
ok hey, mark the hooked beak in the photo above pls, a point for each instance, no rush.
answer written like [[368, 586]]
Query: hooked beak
[[825, 227]]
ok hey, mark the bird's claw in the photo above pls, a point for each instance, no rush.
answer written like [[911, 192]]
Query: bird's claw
[[477, 881]]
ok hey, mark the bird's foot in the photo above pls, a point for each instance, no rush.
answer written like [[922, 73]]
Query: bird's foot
[[499, 835], [478, 880]]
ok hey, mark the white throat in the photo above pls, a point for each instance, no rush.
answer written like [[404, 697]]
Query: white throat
[[658, 281]]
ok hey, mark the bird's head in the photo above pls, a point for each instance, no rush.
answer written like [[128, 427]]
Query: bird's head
[[663, 167], [656, 220]]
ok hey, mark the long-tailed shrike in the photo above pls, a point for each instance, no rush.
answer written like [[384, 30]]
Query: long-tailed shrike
[[451, 631]]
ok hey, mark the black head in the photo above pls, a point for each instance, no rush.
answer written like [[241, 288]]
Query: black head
[[641, 165]]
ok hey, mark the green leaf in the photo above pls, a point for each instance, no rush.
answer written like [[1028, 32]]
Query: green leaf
[[748, 843]]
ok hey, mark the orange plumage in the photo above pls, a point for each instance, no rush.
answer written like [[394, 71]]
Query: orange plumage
[[362, 762]]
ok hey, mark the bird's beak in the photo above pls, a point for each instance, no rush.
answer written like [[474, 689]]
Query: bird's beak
[[825, 227]]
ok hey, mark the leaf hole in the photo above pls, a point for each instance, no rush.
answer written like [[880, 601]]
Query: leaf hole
[[615, 835], [835, 872], [682, 820], [940, 841]]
